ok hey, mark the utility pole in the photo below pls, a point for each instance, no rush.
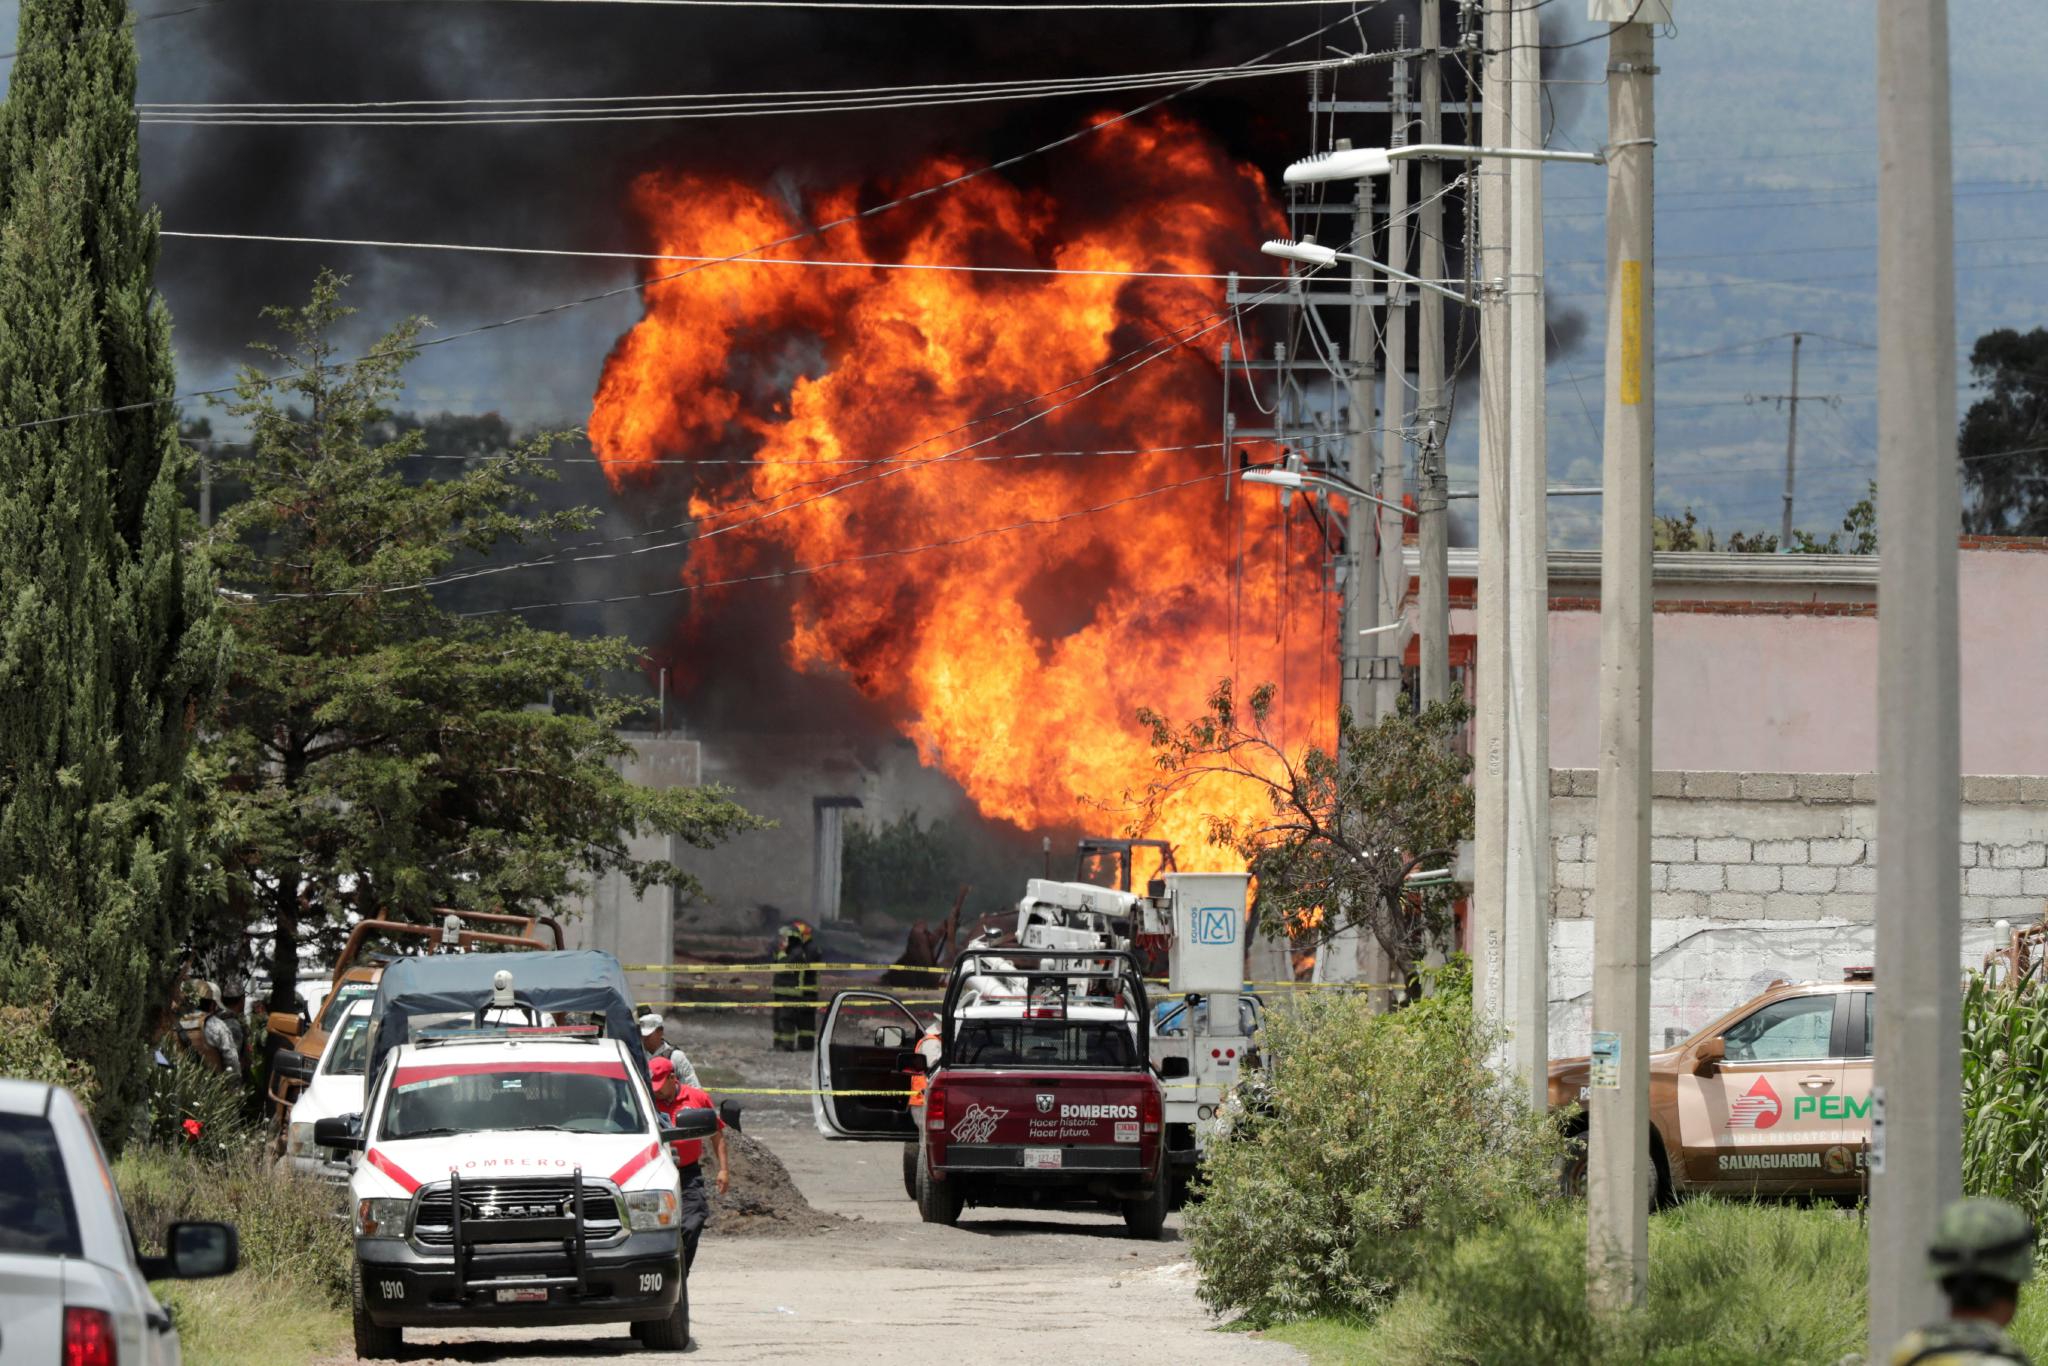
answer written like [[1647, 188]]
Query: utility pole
[[1361, 569], [1791, 446], [1916, 1158], [1619, 1164], [1392, 584], [1433, 580], [1530, 855], [1490, 682]]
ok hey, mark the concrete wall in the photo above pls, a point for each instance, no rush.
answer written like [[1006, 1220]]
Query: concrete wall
[[1770, 874], [639, 927]]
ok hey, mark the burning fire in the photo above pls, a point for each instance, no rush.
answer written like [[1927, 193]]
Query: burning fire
[[1016, 660]]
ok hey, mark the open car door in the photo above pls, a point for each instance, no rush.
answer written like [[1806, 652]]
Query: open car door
[[865, 1037]]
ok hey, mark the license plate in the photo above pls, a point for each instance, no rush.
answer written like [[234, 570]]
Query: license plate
[[524, 1295], [1042, 1159], [1127, 1131]]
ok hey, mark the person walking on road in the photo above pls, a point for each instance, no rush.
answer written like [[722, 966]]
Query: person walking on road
[[671, 1095], [796, 1026], [1983, 1252]]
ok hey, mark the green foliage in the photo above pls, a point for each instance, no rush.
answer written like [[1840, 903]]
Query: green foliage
[[2005, 1113], [1730, 1284], [1342, 829], [377, 752], [1387, 1137], [1858, 534], [289, 1233], [2004, 458], [27, 1051], [107, 641], [909, 868], [189, 1090]]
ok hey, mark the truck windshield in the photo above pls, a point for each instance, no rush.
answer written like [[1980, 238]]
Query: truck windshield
[[36, 1215], [460, 1098], [349, 1054], [1044, 1043]]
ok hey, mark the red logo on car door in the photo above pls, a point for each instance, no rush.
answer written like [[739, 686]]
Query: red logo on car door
[[1757, 1109]]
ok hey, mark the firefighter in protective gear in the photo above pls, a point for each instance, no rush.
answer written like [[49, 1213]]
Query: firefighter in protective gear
[[1983, 1252], [796, 1026]]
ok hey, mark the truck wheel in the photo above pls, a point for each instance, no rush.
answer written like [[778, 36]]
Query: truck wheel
[[910, 1169], [1147, 1216], [938, 1202], [671, 1334], [373, 1343]]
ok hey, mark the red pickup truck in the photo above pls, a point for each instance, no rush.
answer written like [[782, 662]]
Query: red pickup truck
[[1041, 1097]]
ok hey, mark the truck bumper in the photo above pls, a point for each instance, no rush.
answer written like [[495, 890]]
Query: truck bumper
[[634, 1281]]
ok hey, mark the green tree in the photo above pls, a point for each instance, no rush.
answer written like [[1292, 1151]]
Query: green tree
[[1343, 830], [2004, 438], [1858, 534], [108, 641], [377, 752]]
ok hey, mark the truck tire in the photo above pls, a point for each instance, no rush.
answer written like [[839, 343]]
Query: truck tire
[[938, 1202], [910, 1169], [1146, 1217], [671, 1334], [373, 1343]]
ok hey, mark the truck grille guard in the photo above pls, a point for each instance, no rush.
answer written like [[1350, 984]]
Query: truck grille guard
[[575, 1245]]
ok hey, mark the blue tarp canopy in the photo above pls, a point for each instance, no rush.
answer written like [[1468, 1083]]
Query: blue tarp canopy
[[459, 983]]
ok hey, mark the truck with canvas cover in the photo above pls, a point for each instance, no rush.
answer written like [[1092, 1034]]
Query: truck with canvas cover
[[512, 1173], [1042, 1095]]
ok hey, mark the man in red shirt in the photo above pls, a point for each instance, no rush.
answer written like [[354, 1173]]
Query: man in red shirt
[[670, 1095]]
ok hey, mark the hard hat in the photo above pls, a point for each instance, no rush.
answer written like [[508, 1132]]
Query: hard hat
[[801, 929], [195, 991], [1982, 1237], [649, 1022]]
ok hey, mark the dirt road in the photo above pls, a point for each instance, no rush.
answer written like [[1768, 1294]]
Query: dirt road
[[999, 1288]]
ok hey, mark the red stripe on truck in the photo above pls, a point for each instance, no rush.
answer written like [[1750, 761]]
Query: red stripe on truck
[[640, 1159], [392, 1170]]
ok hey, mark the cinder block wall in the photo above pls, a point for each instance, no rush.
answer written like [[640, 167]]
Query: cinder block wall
[[1762, 875]]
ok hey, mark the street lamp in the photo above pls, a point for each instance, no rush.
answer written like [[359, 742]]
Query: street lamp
[[1309, 253], [1291, 476]]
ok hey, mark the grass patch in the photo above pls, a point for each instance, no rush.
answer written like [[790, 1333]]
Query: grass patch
[[284, 1305]]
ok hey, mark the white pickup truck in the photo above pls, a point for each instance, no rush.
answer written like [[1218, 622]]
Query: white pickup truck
[[515, 1179], [72, 1288]]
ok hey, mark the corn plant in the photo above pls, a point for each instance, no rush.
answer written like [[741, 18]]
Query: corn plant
[[2005, 1106]]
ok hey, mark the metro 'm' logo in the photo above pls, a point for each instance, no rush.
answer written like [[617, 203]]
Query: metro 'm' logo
[[1757, 1109]]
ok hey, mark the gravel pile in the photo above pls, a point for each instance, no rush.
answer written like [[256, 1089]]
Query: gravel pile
[[763, 1201]]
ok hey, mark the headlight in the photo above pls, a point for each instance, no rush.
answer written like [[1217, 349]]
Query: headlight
[[651, 1209], [381, 1218], [299, 1142]]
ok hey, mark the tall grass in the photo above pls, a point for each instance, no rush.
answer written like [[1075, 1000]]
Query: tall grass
[[1729, 1283], [2005, 1107]]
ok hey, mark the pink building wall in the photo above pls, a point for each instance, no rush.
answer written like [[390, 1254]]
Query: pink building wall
[[1798, 694]]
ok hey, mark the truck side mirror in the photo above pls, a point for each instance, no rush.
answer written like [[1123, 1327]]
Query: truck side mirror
[[729, 1111], [193, 1252], [912, 1063], [697, 1122], [336, 1133], [284, 1023], [1708, 1057], [1173, 1068]]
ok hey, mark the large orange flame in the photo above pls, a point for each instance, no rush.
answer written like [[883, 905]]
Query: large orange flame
[[1017, 661]]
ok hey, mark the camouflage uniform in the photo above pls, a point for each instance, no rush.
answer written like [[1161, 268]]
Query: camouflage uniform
[[1983, 1240]]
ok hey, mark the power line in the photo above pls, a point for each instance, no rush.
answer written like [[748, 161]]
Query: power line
[[940, 187], [708, 260], [802, 571]]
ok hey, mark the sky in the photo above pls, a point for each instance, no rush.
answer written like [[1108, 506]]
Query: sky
[[1766, 172]]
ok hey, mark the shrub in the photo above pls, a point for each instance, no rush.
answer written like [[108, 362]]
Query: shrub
[[1387, 1136], [28, 1051], [189, 1093], [1729, 1283], [289, 1226]]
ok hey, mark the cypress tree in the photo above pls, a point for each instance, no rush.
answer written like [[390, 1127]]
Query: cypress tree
[[108, 640]]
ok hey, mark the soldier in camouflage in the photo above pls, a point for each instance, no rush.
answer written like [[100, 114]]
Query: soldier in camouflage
[[1983, 1252]]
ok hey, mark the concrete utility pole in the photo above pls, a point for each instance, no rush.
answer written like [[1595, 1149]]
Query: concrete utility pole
[[1433, 581], [1490, 677], [1361, 577], [1619, 1165], [1916, 1166], [1529, 853], [1392, 584], [1791, 446]]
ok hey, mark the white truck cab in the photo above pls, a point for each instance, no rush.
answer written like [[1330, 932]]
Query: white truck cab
[[72, 1288]]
